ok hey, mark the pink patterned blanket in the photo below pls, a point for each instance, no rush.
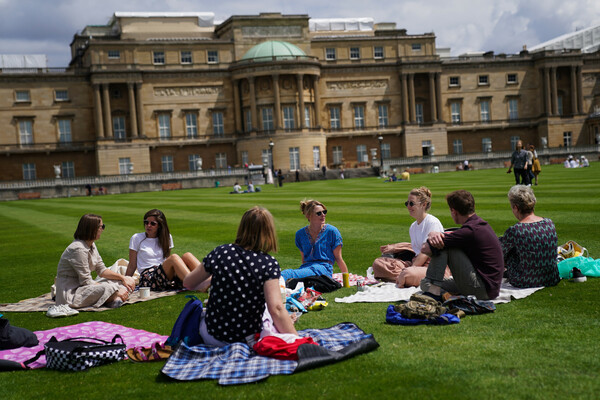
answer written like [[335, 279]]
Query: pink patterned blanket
[[97, 329]]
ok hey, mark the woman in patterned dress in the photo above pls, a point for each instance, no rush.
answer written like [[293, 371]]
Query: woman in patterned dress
[[244, 278], [529, 246]]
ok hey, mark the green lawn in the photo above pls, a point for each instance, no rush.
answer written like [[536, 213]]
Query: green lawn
[[544, 346]]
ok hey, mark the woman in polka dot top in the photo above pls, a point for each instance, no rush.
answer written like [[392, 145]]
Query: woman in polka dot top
[[244, 278]]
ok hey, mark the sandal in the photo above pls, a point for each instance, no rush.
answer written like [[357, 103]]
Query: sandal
[[155, 352]]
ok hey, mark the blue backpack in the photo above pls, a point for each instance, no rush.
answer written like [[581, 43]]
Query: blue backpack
[[187, 326]]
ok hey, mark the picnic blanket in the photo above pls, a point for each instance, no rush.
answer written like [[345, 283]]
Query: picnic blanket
[[97, 329], [389, 293], [353, 278], [41, 303], [237, 363]]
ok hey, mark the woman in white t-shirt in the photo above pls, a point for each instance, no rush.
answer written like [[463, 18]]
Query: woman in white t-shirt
[[150, 254], [418, 205]]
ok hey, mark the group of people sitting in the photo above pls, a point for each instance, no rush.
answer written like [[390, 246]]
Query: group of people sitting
[[244, 278], [472, 260], [238, 189], [572, 162]]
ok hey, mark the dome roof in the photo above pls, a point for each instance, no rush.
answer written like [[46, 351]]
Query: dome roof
[[273, 50]]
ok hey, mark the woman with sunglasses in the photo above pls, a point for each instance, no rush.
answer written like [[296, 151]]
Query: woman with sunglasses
[[410, 273], [150, 254], [75, 286], [320, 244]]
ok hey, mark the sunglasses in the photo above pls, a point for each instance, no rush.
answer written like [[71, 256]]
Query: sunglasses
[[151, 223], [319, 213], [410, 203], [103, 226]]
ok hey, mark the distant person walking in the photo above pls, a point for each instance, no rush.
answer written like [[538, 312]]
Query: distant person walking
[[324, 169], [518, 161]]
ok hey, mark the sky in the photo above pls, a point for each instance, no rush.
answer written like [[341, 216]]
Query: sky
[[503, 26]]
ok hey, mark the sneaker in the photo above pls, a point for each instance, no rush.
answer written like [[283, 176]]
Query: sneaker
[[577, 276], [68, 310], [56, 312], [115, 303]]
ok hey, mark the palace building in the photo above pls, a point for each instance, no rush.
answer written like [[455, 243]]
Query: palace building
[[158, 92]]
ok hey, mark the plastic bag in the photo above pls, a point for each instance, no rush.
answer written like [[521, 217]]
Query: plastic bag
[[587, 265]]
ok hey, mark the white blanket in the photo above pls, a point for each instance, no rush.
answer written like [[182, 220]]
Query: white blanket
[[389, 293]]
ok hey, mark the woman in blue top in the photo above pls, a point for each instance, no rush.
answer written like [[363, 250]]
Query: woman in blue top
[[320, 244]]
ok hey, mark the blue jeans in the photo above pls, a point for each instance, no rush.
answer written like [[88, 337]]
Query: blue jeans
[[307, 270]]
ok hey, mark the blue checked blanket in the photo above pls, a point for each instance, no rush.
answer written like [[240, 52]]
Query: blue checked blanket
[[237, 363]]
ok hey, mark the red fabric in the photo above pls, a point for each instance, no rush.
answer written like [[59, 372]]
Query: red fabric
[[272, 346]]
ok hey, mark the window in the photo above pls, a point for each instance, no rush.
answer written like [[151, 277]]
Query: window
[[61, 95], [457, 145], [193, 162], [26, 131], [354, 53], [338, 155], [288, 118], [218, 126], [454, 81], [359, 116], [361, 153], [484, 110], [114, 54], [455, 112], [382, 115], [416, 47], [307, 116], [567, 139], [29, 171], [248, 119], [68, 169], [316, 157], [125, 166], [560, 104], [486, 145], [22, 96], [186, 57], [512, 79], [244, 158], [158, 57], [330, 54], [334, 118], [386, 151], [64, 131], [191, 125], [513, 142], [483, 80], [164, 126], [513, 109], [378, 52], [119, 128], [426, 148], [419, 113], [267, 119], [167, 163], [212, 56], [294, 158], [221, 160]]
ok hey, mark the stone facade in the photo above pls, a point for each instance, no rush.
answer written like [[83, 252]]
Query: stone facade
[[155, 93]]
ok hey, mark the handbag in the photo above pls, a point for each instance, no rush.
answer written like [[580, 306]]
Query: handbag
[[571, 249], [80, 353], [187, 326]]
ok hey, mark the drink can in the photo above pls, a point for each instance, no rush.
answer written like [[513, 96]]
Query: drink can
[[346, 279], [360, 285]]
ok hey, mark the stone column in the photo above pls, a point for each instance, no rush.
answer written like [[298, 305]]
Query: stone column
[[548, 93], [405, 115], [253, 103], [237, 109], [554, 91], [438, 89], [317, 101], [411, 97], [580, 91], [106, 108], [140, 110], [277, 94], [98, 112], [132, 112], [300, 84], [432, 97], [574, 90]]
